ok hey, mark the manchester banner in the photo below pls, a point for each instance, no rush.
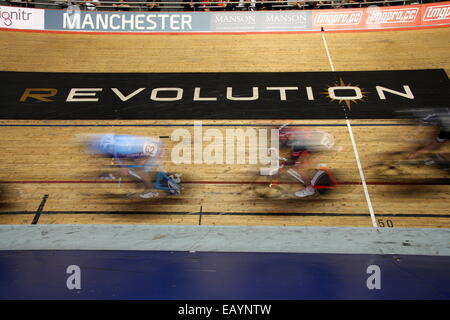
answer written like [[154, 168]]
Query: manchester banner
[[370, 18]]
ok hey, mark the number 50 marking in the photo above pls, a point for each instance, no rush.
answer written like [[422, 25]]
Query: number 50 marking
[[388, 223]]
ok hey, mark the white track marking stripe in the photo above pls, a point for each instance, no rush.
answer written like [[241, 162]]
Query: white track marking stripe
[[328, 52], [355, 150], [361, 174]]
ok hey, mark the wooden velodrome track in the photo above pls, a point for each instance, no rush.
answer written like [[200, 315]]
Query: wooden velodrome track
[[39, 161]]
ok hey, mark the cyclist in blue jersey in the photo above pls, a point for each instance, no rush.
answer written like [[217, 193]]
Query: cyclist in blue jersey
[[136, 156]]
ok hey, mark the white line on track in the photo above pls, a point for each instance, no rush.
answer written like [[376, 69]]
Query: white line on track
[[355, 149], [328, 52]]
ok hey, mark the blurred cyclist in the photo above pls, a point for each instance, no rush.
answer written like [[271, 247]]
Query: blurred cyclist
[[136, 156], [303, 144], [441, 120]]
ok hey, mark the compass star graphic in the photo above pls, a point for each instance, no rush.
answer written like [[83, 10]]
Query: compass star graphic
[[359, 93]]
